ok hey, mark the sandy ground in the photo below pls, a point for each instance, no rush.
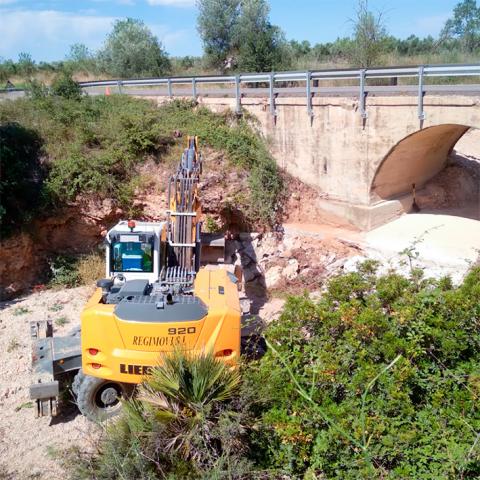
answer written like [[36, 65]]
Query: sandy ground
[[445, 244], [28, 444]]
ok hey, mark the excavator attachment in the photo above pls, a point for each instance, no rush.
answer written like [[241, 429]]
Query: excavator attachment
[[189, 243]]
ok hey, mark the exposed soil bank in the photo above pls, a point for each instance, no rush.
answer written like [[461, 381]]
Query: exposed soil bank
[[78, 228]]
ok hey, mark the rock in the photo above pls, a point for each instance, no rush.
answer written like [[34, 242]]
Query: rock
[[273, 276], [271, 310], [292, 242], [286, 254], [291, 270], [330, 258], [351, 264]]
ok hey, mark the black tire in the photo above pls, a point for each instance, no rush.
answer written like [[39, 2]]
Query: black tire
[[77, 381], [99, 399], [253, 347]]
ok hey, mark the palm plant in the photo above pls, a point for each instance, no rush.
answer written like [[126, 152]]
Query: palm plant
[[184, 398], [185, 423]]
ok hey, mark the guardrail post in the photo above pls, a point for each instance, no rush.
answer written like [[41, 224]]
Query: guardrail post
[[119, 85], [194, 89], [169, 86], [362, 95], [421, 92], [272, 98], [238, 98], [309, 94]]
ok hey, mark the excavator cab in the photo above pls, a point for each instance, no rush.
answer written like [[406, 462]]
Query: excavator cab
[[134, 250]]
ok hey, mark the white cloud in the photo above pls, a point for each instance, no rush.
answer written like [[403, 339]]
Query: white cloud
[[172, 3], [47, 34], [7, 2]]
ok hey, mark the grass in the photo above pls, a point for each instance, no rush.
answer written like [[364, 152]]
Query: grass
[[21, 311], [13, 345], [56, 307], [24, 405], [61, 321], [93, 147]]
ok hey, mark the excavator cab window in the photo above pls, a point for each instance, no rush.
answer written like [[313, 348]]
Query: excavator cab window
[[132, 253]]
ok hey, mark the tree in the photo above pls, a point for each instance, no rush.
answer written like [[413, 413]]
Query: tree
[[81, 58], [79, 53], [261, 45], [465, 24], [216, 24], [25, 64], [22, 175], [8, 68], [131, 50], [369, 35]]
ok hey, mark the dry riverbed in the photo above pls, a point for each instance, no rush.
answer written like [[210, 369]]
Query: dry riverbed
[[29, 446]]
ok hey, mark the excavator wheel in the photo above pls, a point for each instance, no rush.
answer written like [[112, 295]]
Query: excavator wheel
[[77, 381], [99, 399]]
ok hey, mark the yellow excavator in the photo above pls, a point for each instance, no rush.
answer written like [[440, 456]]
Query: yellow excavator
[[156, 297]]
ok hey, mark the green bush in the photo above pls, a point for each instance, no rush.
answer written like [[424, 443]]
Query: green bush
[[21, 175], [93, 145], [63, 271], [380, 379], [65, 86], [75, 270]]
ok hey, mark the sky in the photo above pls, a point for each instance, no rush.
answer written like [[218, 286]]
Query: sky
[[47, 28]]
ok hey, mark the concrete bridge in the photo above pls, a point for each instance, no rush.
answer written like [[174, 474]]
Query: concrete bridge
[[362, 145], [363, 168]]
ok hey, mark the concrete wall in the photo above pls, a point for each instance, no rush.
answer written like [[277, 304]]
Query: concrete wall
[[340, 154]]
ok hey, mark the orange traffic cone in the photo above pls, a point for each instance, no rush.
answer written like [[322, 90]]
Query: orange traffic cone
[[107, 91]]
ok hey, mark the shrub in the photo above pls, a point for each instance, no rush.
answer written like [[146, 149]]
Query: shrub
[[180, 426], [377, 380], [378, 383], [21, 175], [93, 145], [64, 86], [63, 271]]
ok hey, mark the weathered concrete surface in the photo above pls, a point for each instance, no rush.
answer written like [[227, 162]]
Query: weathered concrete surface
[[355, 163]]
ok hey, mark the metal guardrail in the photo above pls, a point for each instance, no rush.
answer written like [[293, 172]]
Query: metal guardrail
[[362, 75], [310, 79]]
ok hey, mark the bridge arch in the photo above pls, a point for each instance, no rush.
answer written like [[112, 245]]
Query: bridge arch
[[415, 159]]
